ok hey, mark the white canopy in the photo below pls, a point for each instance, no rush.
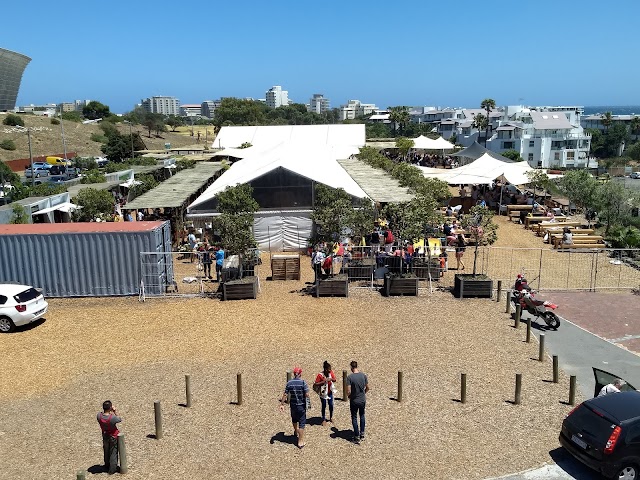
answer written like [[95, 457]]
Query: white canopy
[[317, 163], [427, 143], [65, 207], [484, 170]]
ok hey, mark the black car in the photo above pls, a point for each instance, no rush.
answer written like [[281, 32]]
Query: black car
[[604, 434], [57, 170]]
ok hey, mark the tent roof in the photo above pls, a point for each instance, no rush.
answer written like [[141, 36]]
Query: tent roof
[[317, 163], [377, 184], [427, 143], [475, 151], [272, 135]]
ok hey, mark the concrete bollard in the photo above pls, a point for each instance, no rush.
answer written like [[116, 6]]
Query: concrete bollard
[[463, 388], [239, 388], [518, 315], [572, 390], [556, 372], [399, 397], [541, 348], [81, 475], [344, 386], [157, 413], [499, 293], [518, 397], [187, 386], [528, 330], [508, 308], [122, 453]]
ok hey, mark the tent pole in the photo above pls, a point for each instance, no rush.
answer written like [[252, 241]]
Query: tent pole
[[501, 189]]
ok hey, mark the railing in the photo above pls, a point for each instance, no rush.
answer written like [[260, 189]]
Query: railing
[[559, 136]]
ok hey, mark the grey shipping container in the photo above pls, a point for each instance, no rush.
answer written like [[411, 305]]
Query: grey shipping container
[[87, 259]]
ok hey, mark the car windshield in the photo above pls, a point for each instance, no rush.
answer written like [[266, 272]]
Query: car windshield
[[27, 295]]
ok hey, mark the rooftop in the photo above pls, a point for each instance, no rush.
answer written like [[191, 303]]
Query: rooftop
[[376, 183], [77, 227]]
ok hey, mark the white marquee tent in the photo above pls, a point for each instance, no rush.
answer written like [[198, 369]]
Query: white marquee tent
[[426, 143]]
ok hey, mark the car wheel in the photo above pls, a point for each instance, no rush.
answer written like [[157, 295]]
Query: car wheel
[[628, 472], [6, 325]]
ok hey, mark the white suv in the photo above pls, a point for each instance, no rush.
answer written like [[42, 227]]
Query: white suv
[[20, 305]]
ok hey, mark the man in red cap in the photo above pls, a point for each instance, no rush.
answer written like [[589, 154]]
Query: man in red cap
[[299, 391]]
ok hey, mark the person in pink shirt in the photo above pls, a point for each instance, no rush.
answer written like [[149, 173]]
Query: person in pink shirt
[[324, 386]]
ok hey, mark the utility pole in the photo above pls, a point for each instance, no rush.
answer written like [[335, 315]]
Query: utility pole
[[64, 143], [33, 175]]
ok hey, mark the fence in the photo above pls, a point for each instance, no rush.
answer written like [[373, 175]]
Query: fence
[[171, 274], [546, 269]]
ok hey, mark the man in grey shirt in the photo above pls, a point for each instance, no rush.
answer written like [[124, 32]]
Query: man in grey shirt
[[108, 420], [357, 387]]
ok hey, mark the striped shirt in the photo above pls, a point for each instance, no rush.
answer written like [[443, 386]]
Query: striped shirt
[[298, 389]]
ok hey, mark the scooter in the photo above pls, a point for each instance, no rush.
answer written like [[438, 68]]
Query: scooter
[[525, 296]]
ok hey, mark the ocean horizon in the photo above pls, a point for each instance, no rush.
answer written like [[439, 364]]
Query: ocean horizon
[[614, 109]]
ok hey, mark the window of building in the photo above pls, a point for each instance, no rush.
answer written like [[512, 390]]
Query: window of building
[[530, 158], [571, 155], [507, 145], [532, 143], [556, 156]]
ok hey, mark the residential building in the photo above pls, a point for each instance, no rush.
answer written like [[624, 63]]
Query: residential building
[[12, 66], [595, 121], [161, 104], [75, 106], [276, 97], [46, 110], [208, 108], [318, 104], [355, 108], [191, 110]]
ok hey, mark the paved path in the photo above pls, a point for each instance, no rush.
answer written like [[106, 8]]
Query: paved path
[[615, 323]]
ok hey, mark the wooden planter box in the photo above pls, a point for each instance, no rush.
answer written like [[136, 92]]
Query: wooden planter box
[[466, 286], [360, 272], [240, 289], [285, 267], [400, 286], [421, 269], [337, 285]]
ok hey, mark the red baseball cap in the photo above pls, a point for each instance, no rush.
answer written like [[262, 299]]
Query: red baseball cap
[[297, 371]]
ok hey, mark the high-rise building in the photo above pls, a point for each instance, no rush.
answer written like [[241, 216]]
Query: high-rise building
[[12, 65], [355, 108], [208, 107], [276, 97], [318, 104], [163, 105]]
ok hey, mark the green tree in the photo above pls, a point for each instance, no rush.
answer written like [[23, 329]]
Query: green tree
[[635, 126], [8, 175], [18, 214], [480, 122], [13, 120], [404, 145], [624, 237], [55, 121], [154, 122], [580, 187], [613, 203], [512, 155], [8, 144], [488, 104], [479, 223], [236, 111], [109, 129], [607, 120], [400, 117], [409, 220], [538, 178], [117, 148], [93, 176], [71, 116], [95, 110], [94, 203], [147, 182], [378, 130], [238, 199], [174, 122], [236, 206]]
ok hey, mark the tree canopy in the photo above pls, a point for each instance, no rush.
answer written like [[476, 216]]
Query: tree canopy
[[13, 120], [94, 203], [95, 110], [235, 222]]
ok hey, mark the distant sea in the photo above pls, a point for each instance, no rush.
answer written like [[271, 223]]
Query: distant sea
[[614, 109]]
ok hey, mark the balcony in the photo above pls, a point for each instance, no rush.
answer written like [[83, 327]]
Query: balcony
[[559, 136]]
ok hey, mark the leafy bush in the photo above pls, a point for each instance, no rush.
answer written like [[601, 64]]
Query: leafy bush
[[147, 183], [146, 161], [112, 167], [72, 116], [93, 176], [55, 121], [96, 137], [19, 215], [94, 203], [13, 120], [8, 144], [85, 163], [185, 163]]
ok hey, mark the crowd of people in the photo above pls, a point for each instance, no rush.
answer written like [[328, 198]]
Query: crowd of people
[[423, 159]]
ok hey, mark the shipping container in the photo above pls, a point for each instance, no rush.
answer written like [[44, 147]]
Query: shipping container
[[88, 259]]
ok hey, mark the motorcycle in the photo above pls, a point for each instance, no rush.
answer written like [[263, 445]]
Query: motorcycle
[[525, 296]]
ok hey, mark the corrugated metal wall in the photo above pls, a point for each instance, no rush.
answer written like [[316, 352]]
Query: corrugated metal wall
[[80, 264]]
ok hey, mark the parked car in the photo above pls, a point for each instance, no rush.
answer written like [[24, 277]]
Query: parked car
[[40, 169], [20, 305], [604, 432], [57, 170], [635, 175], [101, 161]]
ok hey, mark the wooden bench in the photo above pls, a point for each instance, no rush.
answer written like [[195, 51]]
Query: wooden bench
[[539, 227], [583, 246], [560, 229], [513, 208], [556, 240], [530, 221]]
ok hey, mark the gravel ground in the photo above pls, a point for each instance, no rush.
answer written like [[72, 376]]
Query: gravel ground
[[135, 353]]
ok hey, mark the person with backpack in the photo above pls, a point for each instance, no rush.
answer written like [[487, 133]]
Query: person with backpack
[[324, 386], [388, 240], [107, 419]]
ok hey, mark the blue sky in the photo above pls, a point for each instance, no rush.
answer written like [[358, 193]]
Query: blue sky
[[389, 53]]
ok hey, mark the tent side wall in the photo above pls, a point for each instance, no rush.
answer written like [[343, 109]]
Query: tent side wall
[[282, 230], [82, 264]]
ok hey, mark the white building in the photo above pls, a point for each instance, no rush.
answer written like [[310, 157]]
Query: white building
[[276, 97], [190, 110], [208, 107], [355, 108], [163, 105], [318, 104]]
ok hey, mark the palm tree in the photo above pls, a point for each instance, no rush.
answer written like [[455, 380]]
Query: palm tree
[[480, 122], [400, 117], [487, 104], [607, 120]]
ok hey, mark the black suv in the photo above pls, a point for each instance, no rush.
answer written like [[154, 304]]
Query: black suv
[[604, 434]]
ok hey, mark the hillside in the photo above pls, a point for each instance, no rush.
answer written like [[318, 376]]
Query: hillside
[[47, 138]]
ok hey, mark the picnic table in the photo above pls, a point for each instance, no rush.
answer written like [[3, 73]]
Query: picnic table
[[530, 220], [541, 226], [577, 239]]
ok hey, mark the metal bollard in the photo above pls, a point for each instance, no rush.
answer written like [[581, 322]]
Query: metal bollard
[[556, 373], [399, 397], [508, 309], [499, 293], [239, 388], [518, 315], [344, 385], [157, 413], [187, 383], [518, 397], [528, 330], [122, 453], [463, 388], [572, 390], [541, 348]]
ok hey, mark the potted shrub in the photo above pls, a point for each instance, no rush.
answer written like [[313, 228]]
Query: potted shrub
[[482, 230]]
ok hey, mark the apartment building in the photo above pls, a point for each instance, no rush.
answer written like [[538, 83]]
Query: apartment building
[[276, 97], [208, 108], [318, 104], [355, 108], [191, 110], [75, 106], [161, 104], [595, 121]]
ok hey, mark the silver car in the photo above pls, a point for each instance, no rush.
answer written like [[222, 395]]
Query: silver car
[[40, 169]]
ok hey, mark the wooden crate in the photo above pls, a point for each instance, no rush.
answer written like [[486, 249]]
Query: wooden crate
[[400, 286], [466, 285], [240, 289], [285, 267], [338, 285]]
